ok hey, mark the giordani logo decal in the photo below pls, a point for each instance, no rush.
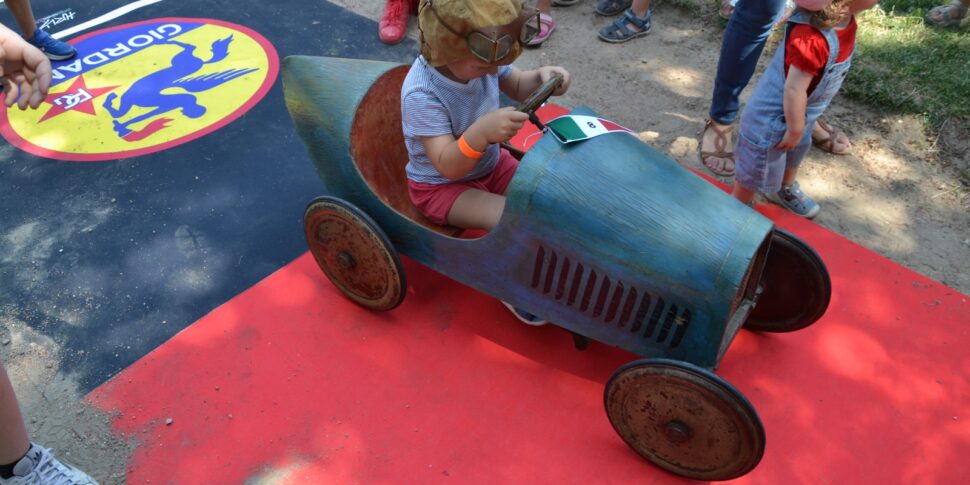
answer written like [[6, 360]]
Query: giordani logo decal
[[143, 87]]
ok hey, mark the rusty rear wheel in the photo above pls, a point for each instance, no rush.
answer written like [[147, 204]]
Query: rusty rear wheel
[[684, 419], [354, 253]]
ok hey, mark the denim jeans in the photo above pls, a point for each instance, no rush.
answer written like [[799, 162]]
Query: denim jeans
[[744, 39]]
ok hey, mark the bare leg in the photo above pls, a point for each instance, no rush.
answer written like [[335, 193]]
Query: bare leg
[[15, 445], [14, 441], [24, 15], [544, 6], [744, 195], [747, 196], [640, 8], [477, 209], [790, 175]]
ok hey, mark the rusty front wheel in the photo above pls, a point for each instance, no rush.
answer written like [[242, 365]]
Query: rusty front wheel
[[797, 288], [684, 419], [354, 253]]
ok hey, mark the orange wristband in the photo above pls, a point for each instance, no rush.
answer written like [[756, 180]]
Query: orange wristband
[[467, 150]]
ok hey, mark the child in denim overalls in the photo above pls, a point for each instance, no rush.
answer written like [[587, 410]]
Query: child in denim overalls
[[773, 136]]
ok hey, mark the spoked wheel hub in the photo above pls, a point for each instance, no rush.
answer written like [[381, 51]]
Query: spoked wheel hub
[[684, 419]]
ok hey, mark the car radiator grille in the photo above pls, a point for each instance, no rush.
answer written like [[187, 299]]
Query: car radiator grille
[[613, 302]]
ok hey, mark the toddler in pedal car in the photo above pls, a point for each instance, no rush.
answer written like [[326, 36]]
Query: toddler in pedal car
[[457, 171]]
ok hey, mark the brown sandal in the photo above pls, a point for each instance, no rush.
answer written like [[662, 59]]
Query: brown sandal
[[720, 144], [828, 144]]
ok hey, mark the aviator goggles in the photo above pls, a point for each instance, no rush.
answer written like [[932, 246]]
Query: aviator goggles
[[492, 44]]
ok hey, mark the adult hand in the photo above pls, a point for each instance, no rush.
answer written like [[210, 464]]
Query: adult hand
[[26, 71]]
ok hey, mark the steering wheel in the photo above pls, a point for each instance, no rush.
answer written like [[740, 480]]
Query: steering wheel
[[538, 98]]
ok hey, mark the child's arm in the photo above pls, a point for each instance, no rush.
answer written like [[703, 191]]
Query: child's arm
[[452, 162], [796, 97], [520, 84]]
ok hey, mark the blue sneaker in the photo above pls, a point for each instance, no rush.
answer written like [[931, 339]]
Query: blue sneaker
[[54, 49], [792, 198], [525, 317]]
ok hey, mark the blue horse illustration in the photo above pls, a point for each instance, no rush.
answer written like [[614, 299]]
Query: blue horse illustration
[[147, 91]]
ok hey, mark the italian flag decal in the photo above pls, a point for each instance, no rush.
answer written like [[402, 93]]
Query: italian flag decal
[[571, 128]]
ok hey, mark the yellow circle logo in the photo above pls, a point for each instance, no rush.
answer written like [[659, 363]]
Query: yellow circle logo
[[140, 88]]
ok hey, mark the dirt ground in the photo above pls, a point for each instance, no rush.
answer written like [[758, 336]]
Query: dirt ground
[[899, 193], [54, 409]]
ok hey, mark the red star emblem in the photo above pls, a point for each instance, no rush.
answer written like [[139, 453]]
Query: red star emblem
[[78, 98]]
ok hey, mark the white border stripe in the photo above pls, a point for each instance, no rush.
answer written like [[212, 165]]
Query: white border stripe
[[118, 12]]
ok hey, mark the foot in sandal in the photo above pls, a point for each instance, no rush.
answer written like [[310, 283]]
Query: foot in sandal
[[949, 15], [628, 27], [716, 149], [546, 26], [832, 140]]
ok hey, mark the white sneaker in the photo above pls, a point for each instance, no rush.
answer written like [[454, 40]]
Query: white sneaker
[[39, 467]]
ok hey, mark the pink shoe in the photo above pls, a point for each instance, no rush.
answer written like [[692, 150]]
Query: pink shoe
[[546, 26], [394, 21]]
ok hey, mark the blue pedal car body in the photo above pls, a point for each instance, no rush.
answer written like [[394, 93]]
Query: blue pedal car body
[[607, 238]]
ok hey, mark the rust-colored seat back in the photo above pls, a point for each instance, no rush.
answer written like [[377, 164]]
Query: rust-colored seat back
[[377, 147]]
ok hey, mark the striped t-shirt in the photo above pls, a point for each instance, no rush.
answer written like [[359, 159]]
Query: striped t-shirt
[[433, 105]]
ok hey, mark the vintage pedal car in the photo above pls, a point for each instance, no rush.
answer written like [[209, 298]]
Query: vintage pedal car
[[606, 238]]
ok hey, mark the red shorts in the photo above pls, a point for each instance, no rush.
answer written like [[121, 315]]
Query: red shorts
[[435, 200]]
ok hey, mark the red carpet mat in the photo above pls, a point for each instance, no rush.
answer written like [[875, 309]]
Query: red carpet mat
[[291, 383]]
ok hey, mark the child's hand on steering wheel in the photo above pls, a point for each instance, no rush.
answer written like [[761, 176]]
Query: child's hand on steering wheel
[[547, 72], [496, 127]]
